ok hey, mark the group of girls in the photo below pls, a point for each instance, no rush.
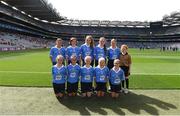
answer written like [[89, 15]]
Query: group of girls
[[90, 67]]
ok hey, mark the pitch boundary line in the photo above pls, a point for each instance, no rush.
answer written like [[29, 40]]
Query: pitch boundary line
[[26, 72], [38, 72]]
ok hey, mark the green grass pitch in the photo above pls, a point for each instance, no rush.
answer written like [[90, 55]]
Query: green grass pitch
[[151, 69]]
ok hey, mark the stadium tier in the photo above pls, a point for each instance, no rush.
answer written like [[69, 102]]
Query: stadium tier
[[37, 19]]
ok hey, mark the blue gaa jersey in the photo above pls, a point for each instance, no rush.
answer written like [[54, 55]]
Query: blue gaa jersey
[[99, 52], [59, 74], [73, 51], [113, 53], [87, 51], [101, 74], [73, 73], [54, 52], [116, 77], [87, 74]]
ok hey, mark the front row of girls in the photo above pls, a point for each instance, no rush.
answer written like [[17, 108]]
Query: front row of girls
[[86, 74]]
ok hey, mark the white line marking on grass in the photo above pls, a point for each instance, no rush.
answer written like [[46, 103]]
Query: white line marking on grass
[[25, 72], [155, 74], [38, 72]]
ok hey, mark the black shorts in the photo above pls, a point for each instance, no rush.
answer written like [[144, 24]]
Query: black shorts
[[110, 64], [115, 88], [101, 86], [59, 88], [126, 70], [86, 87], [72, 87]]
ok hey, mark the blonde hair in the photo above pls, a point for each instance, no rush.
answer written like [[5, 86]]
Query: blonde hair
[[73, 56], [92, 40], [102, 38], [58, 39], [113, 40], [124, 46], [87, 57], [59, 57], [116, 60], [101, 59]]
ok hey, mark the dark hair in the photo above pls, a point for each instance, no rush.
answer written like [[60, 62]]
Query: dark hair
[[72, 38]]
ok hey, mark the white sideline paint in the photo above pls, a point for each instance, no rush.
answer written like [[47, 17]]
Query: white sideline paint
[[25, 72], [36, 72]]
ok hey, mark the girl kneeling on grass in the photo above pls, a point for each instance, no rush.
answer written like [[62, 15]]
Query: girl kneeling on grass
[[59, 77], [101, 77], [87, 74], [73, 73], [116, 75]]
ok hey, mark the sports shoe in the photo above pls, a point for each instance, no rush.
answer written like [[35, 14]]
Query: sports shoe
[[126, 91], [122, 89]]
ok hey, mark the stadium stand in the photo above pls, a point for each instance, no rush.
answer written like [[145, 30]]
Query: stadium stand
[[12, 40], [38, 20]]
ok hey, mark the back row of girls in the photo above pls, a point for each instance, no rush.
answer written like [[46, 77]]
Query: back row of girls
[[95, 52], [87, 49]]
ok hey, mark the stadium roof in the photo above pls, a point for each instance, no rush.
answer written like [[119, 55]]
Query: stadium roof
[[43, 11], [172, 19], [39, 9]]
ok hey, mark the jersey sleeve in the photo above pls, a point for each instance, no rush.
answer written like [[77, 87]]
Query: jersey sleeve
[[107, 69], [51, 52], [66, 50], [94, 53], [64, 53], [79, 71], [110, 74]]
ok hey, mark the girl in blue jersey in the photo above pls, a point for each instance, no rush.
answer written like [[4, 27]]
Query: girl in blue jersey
[[100, 50], [57, 50], [116, 75], [59, 77], [101, 73], [73, 73], [87, 49], [87, 74], [113, 53], [72, 50]]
